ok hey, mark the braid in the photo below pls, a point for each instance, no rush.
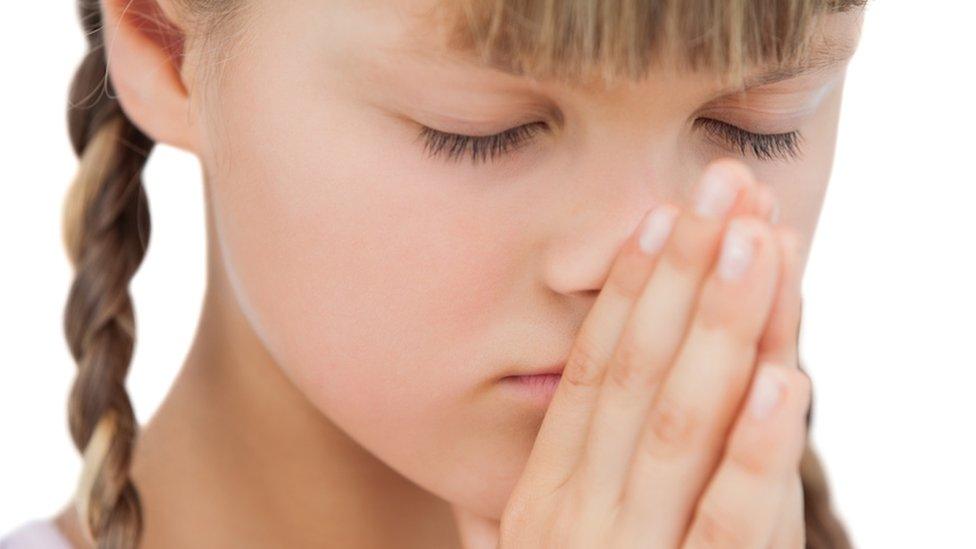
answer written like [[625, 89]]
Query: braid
[[824, 530], [106, 230]]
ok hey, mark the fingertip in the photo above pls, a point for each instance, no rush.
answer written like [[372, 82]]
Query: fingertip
[[736, 168], [768, 390], [796, 386], [740, 176]]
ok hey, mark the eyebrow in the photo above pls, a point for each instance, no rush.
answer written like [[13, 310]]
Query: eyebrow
[[822, 57]]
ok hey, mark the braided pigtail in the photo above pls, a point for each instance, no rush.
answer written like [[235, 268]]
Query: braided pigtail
[[824, 530], [106, 230]]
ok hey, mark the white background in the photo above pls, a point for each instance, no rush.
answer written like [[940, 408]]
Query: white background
[[888, 323]]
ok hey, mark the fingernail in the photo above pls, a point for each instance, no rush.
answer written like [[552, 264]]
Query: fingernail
[[738, 249], [767, 392], [657, 227], [716, 193]]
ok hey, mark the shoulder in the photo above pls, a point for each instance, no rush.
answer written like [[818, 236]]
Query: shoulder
[[39, 533]]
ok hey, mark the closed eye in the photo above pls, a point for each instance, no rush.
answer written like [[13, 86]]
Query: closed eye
[[764, 146], [482, 148], [453, 147]]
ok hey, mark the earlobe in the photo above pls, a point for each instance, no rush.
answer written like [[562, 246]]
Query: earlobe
[[144, 53]]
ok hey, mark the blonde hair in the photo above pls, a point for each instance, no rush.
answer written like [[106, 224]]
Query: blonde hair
[[106, 218], [570, 40]]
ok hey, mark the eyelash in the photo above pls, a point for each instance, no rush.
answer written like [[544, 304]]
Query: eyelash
[[484, 147], [764, 146], [785, 146]]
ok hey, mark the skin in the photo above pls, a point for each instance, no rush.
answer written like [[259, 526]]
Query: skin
[[319, 403], [631, 453]]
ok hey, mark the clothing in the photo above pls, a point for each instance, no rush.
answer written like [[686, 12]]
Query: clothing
[[39, 533]]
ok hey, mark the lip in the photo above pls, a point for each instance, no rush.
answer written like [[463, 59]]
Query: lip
[[537, 386], [553, 369], [537, 390]]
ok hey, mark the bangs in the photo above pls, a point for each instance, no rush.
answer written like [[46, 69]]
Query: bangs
[[574, 39]]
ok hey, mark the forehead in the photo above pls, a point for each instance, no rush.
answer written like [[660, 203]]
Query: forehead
[[437, 31]]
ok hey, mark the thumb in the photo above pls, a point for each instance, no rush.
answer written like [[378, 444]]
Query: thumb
[[476, 532]]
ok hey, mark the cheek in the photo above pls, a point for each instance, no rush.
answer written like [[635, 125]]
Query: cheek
[[342, 259], [369, 277], [800, 186]]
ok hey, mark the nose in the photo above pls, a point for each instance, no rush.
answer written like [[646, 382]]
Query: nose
[[579, 256]]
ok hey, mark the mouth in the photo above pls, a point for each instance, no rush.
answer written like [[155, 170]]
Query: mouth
[[536, 387]]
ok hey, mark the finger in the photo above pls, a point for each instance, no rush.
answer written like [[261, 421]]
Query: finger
[[559, 444], [741, 504], [689, 420], [655, 328], [779, 341], [779, 345], [790, 532], [767, 207]]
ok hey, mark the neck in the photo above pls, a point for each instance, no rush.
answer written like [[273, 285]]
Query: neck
[[236, 452]]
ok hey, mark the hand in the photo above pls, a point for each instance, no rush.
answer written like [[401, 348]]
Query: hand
[[647, 441]]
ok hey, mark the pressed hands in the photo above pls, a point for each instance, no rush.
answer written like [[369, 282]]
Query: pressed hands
[[679, 421]]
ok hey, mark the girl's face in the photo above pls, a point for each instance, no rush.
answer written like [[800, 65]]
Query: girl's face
[[396, 289]]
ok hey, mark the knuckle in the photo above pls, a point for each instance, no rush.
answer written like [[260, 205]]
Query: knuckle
[[672, 428], [742, 337], [583, 367], [712, 310], [626, 283], [735, 348], [721, 309], [754, 458], [716, 310], [623, 374], [687, 252], [629, 349], [630, 367], [716, 525]]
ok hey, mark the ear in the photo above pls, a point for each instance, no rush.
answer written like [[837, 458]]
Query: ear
[[144, 53]]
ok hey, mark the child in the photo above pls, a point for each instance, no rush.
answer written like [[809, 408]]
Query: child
[[481, 273]]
